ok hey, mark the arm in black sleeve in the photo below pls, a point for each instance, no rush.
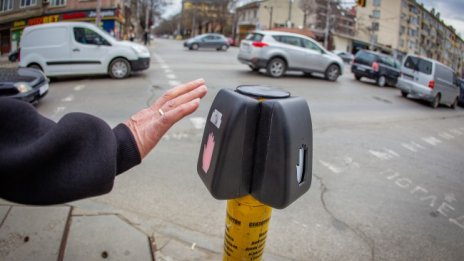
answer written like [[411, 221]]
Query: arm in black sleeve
[[43, 162]]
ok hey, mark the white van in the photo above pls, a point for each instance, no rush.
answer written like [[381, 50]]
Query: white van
[[429, 80], [79, 48]]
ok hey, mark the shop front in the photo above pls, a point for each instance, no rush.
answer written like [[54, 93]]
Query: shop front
[[111, 21]]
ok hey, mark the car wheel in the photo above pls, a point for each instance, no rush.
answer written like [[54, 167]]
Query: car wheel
[[119, 68], [357, 77], [381, 81], [195, 46], [332, 72], [436, 101], [455, 104], [223, 48], [35, 66], [276, 67], [13, 58], [404, 94]]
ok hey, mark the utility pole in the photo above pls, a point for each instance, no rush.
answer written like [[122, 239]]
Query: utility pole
[[98, 15], [289, 22], [327, 26]]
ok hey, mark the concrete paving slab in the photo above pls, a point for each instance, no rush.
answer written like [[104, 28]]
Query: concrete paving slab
[[181, 251], [33, 233], [105, 237], [3, 212]]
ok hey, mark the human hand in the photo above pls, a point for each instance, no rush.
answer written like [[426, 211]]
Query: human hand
[[150, 124]]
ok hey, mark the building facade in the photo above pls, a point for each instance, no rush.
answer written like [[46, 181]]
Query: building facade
[[15, 15], [402, 27], [268, 14]]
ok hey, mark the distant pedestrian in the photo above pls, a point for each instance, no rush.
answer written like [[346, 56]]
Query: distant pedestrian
[[131, 36], [146, 39]]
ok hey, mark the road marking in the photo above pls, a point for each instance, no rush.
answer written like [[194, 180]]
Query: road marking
[[198, 122], [387, 154], [174, 83], [456, 131], [79, 87], [412, 146], [167, 71], [165, 66], [69, 98], [422, 194], [446, 135], [432, 140], [332, 168], [58, 110], [350, 162], [171, 76]]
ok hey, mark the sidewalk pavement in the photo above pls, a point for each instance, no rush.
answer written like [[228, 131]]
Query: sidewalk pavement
[[5, 63], [88, 230]]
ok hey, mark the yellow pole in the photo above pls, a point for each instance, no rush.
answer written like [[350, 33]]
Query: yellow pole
[[247, 222]]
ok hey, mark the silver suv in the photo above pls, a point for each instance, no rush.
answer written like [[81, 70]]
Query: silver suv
[[279, 52]]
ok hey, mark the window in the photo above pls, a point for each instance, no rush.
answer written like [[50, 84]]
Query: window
[[254, 37], [412, 32], [26, 3], [89, 37], [376, 14], [310, 45], [6, 5], [402, 28], [418, 64], [291, 40], [365, 57], [57, 2], [377, 2]]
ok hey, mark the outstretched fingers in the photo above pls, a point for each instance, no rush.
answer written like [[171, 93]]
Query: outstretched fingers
[[178, 91]]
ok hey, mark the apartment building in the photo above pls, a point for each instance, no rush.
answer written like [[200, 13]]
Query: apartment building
[[403, 27], [15, 15], [267, 14]]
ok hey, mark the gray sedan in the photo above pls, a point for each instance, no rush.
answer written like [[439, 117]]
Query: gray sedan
[[216, 41]]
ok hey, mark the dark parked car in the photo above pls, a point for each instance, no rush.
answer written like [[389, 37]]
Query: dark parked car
[[379, 67], [460, 83], [216, 41], [24, 84]]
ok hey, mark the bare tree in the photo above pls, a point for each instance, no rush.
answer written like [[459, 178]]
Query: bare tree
[[308, 7]]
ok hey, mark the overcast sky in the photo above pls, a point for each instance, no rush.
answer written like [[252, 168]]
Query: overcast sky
[[451, 11]]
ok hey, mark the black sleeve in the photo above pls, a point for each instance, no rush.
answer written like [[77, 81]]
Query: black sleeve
[[43, 162]]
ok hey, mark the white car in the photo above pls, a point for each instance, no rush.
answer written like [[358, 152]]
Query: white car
[[79, 48]]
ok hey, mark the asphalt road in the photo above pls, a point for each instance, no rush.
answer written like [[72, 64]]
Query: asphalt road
[[388, 172]]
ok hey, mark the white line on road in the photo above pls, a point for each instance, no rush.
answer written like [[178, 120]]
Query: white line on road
[[331, 167], [198, 122], [387, 154], [446, 135], [171, 76], [69, 98], [431, 140], [412, 146], [165, 66], [456, 132], [79, 87], [174, 83]]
